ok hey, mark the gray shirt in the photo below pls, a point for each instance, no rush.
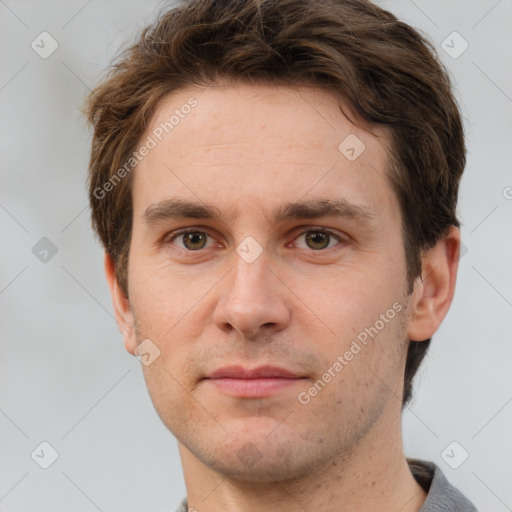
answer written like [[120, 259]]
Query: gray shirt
[[441, 495]]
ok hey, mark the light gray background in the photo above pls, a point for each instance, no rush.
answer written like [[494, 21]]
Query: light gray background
[[65, 376]]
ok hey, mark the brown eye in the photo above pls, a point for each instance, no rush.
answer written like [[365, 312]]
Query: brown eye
[[192, 240], [317, 239]]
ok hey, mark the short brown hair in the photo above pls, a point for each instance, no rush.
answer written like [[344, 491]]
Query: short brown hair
[[387, 71]]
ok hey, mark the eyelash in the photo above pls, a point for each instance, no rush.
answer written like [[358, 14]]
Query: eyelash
[[169, 240]]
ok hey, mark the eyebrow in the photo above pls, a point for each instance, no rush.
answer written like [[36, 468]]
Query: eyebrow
[[308, 209]]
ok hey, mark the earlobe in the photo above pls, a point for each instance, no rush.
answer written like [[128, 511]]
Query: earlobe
[[433, 292], [122, 309]]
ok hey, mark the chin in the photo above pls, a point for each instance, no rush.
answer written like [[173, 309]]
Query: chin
[[257, 458]]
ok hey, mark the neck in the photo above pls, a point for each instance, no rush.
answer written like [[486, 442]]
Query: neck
[[373, 476]]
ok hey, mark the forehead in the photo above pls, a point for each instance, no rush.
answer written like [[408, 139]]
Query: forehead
[[259, 143]]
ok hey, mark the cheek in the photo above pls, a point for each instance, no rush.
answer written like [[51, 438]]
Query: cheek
[[171, 396], [367, 322], [163, 296], [347, 299]]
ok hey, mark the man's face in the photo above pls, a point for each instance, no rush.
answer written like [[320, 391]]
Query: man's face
[[266, 282]]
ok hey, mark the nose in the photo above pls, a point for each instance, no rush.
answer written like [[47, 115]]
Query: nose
[[252, 300]]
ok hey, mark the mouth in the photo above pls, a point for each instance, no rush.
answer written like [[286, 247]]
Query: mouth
[[260, 382]]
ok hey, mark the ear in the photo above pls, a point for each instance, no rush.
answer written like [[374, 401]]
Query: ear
[[433, 291], [122, 309]]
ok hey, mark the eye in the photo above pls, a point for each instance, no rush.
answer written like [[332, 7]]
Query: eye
[[318, 239], [191, 240]]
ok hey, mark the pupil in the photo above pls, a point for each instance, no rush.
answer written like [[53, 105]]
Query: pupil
[[194, 239], [318, 238]]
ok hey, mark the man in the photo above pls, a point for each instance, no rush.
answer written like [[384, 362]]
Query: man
[[275, 185]]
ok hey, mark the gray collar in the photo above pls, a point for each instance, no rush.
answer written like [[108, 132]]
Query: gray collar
[[441, 495]]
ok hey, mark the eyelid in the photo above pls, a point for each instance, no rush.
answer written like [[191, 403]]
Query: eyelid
[[343, 239], [169, 238]]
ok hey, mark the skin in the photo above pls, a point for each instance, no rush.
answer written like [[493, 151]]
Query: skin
[[248, 149]]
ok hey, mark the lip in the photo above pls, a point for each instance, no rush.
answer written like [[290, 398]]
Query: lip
[[239, 372], [260, 382]]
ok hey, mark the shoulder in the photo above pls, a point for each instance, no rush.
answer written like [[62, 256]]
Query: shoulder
[[441, 495]]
